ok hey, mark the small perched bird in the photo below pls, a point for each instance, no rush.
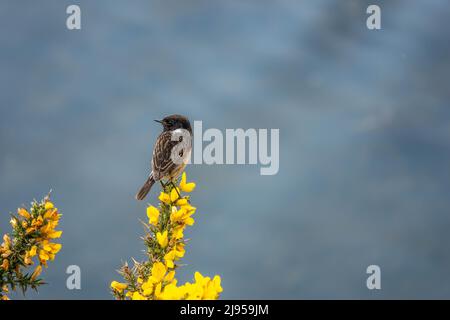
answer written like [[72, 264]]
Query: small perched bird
[[176, 130]]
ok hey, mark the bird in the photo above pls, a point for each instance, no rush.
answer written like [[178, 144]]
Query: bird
[[177, 132]]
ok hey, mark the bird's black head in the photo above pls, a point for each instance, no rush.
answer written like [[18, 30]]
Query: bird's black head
[[174, 122]]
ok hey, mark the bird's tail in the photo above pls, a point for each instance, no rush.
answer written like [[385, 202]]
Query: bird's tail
[[145, 188]]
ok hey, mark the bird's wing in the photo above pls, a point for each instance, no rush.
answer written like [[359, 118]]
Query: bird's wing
[[162, 163]]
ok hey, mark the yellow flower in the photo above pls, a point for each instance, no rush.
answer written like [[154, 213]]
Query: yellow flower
[[137, 296], [174, 194], [6, 241], [43, 256], [176, 215], [170, 276], [55, 234], [204, 288], [169, 257], [193, 291], [24, 213], [179, 250], [183, 215], [118, 286], [36, 272], [32, 251], [153, 215], [55, 247], [46, 229], [199, 278], [5, 264], [30, 230], [212, 288], [190, 209], [162, 239], [147, 288], [189, 221], [158, 272], [172, 292], [178, 232], [48, 205], [217, 285], [186, 187], [51, 214], [158, 291], [164, 197], [13, 222], [37, 222], [6, 253], [182, 202], [27, 259], [48, 251]]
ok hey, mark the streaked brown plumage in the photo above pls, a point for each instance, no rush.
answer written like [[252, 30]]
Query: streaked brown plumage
[[162, 165]]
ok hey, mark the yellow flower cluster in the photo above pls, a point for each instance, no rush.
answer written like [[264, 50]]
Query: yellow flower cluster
[[155, 278], [32, 234]]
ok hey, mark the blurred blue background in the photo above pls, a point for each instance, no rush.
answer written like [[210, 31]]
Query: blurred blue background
[[364, 125]]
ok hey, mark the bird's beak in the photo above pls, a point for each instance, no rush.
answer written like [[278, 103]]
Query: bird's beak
[[159, 121]]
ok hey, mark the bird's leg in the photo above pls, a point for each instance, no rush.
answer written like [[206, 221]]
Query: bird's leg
[[175, 187], [163, 185]]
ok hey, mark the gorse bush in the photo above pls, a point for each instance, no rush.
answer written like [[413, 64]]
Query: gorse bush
[[29, 244], [155, 278]]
